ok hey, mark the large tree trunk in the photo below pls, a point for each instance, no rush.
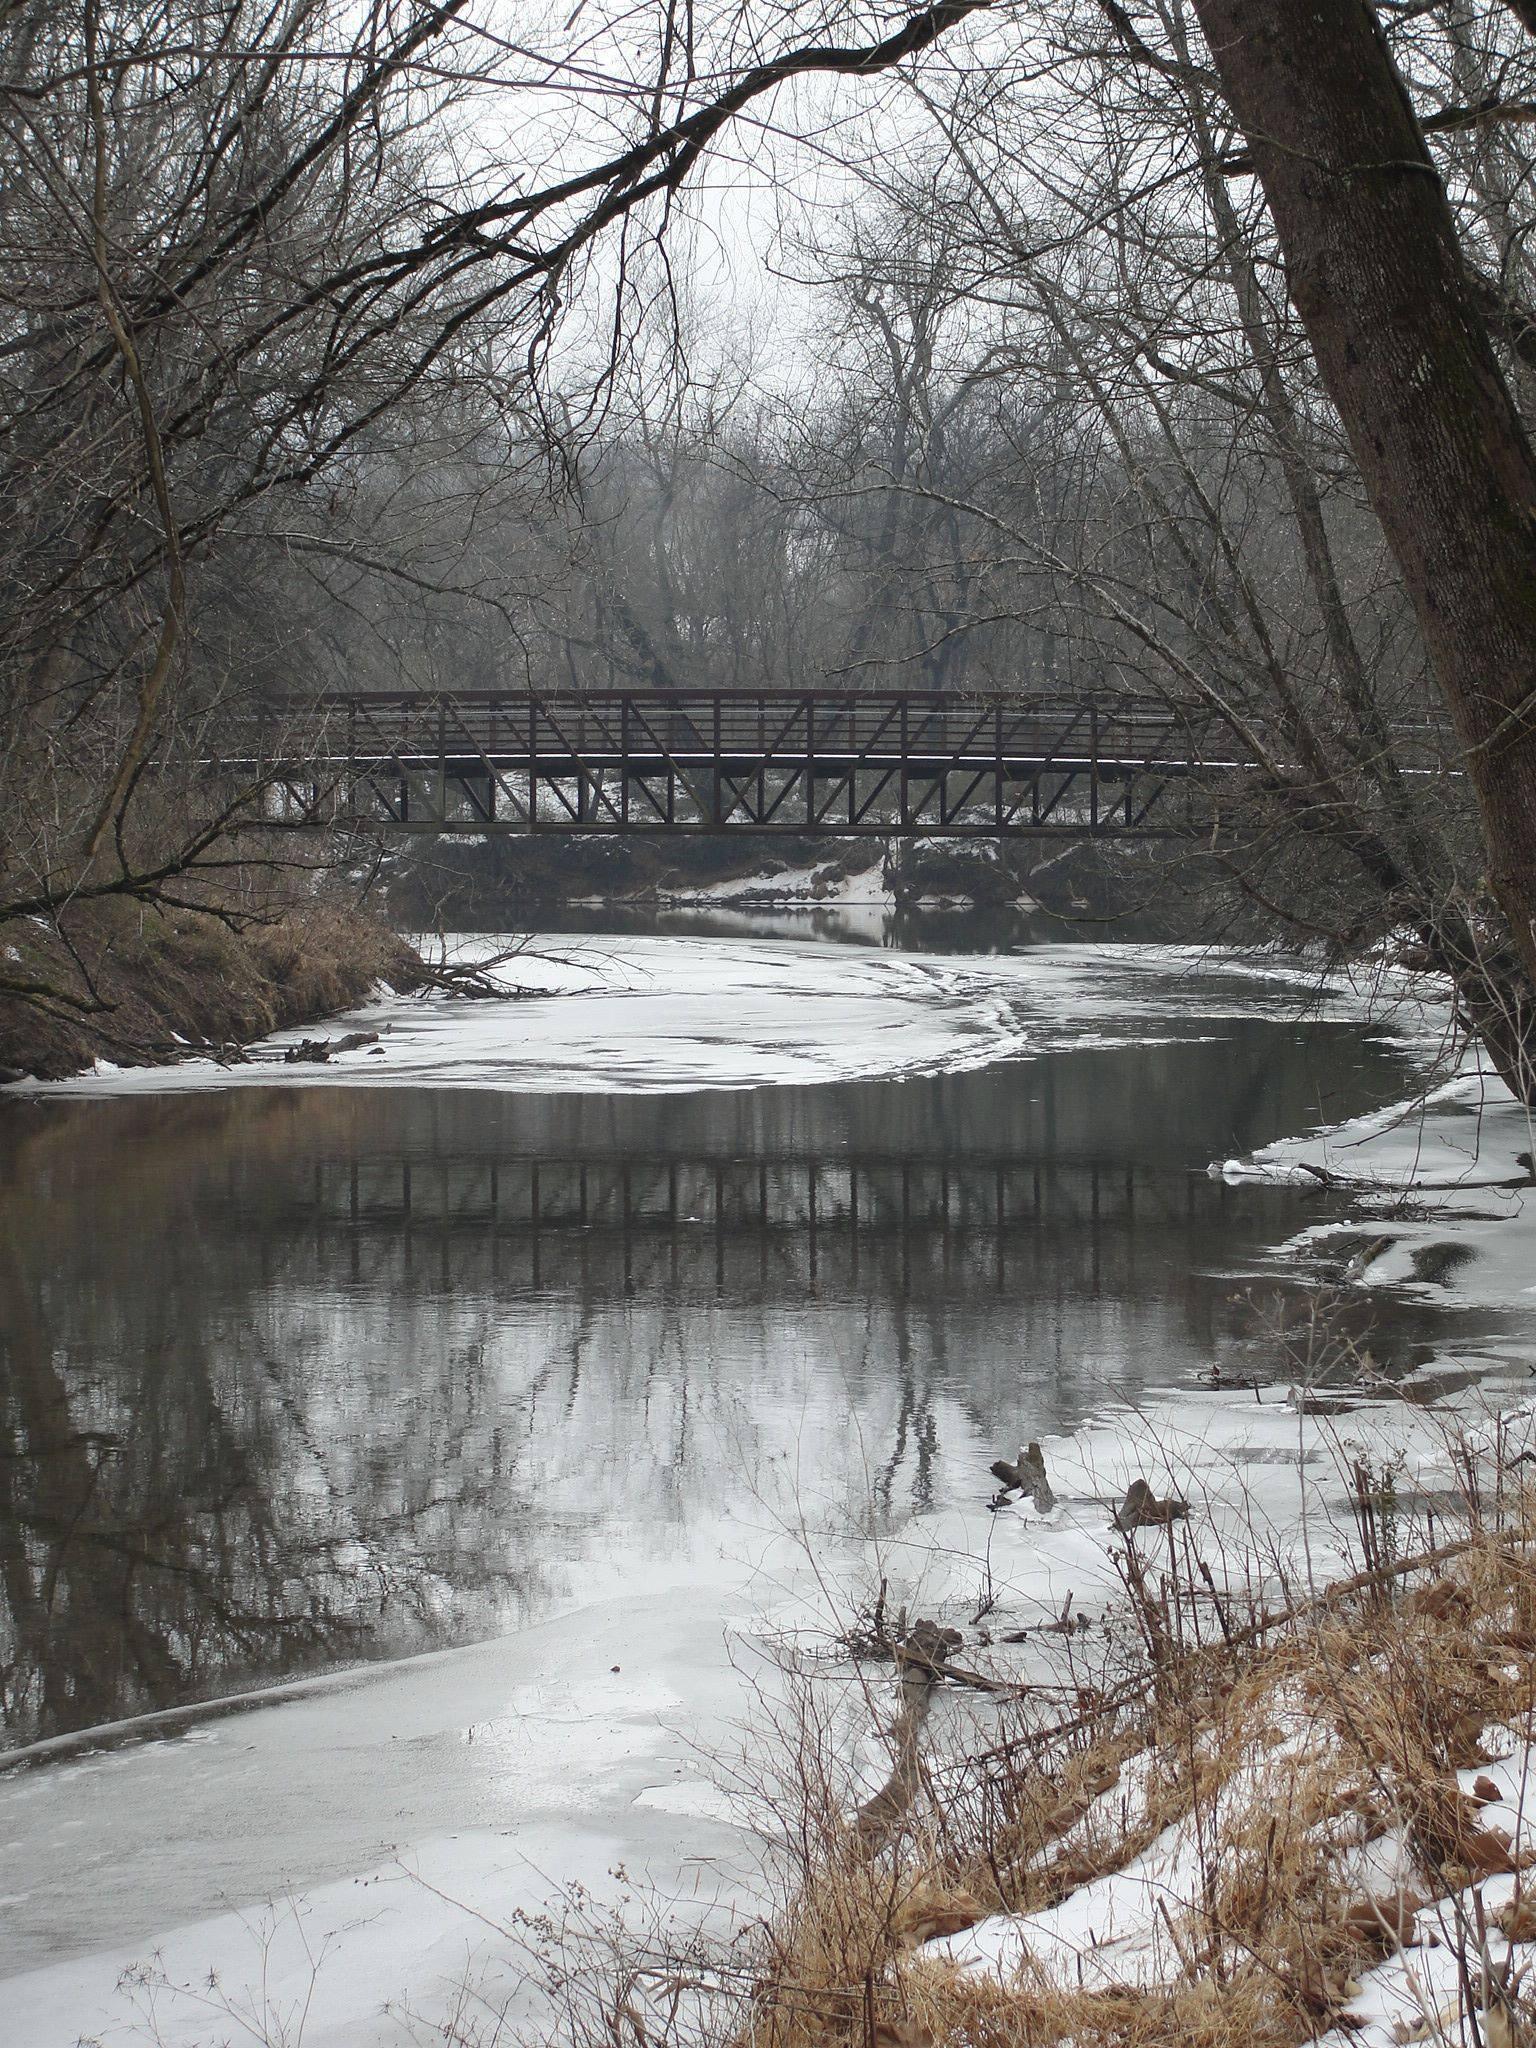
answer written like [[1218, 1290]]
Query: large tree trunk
[[1377, 276]]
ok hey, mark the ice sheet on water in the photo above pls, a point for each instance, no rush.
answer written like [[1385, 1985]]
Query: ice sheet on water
[[1442, 1182], [651, 1014]]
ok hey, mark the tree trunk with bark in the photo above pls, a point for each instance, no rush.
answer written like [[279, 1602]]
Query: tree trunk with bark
[[1377, 275]]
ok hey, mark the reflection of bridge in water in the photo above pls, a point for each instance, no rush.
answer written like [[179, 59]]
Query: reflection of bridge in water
[[483, 1334], [746, 1224]]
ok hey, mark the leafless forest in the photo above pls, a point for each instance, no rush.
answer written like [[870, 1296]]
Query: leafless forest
[[987, 346]]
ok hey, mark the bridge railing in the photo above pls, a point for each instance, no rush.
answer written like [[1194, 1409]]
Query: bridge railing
[[697, 725]]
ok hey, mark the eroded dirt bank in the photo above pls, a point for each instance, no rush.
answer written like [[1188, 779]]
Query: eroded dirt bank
[[139, 985]]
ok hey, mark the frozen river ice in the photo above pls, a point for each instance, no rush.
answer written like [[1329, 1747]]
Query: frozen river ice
[[646, 1014], [495, 1388]]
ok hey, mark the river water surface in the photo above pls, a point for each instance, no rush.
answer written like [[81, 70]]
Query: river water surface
[[296, 1378], [300, 1375]]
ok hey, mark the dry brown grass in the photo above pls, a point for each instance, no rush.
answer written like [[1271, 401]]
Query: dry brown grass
[[151, 979], [1288, 1758]]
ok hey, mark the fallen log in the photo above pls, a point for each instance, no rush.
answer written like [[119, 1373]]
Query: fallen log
[[316, 1051]]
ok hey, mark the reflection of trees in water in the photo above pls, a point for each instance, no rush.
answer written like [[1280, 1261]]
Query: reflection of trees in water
[[178, 1513], [916, 1433], [298, 1377], [140, 1556], [186, 1537]]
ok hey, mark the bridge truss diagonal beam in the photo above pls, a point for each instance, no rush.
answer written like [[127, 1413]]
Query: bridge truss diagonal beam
[[876, 763]]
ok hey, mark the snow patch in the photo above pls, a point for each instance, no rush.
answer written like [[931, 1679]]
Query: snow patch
[[1445, 1184]]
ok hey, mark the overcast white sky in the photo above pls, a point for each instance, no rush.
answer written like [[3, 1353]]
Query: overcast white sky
[[566, 83]]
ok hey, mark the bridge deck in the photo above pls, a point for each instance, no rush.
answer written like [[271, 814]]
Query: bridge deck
[[887, 762]]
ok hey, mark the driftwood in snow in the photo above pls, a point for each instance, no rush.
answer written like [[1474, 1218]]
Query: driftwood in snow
[[1373, 1184], [923, 1649], [1026, 1475], [316, 1051], [926, 1645], [881, 1815], [471, 980], [926, 1648], [1141, 1509], [921, 1659], [1066, 1623]]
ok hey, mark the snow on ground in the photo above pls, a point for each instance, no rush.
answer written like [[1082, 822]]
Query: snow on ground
[[649, 1014], [1267, 1490], [1109, 1933], [1120, 1930], [1415, 1994], [1468, 1134]]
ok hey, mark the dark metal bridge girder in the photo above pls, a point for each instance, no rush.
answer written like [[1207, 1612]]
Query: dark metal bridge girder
[[872, 763]]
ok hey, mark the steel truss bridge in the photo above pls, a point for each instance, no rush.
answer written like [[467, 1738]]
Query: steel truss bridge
[[887, 763]]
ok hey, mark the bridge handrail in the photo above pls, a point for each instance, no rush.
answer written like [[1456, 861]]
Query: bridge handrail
[[707, 720]]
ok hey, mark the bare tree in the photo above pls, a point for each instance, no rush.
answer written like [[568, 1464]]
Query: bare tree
[[1378, 274]]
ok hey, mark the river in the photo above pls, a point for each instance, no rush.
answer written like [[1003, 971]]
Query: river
[[314, 1379]]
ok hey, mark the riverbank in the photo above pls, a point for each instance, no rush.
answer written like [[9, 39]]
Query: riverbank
[[645, 1013], [143, 985], [1228, 1793]]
